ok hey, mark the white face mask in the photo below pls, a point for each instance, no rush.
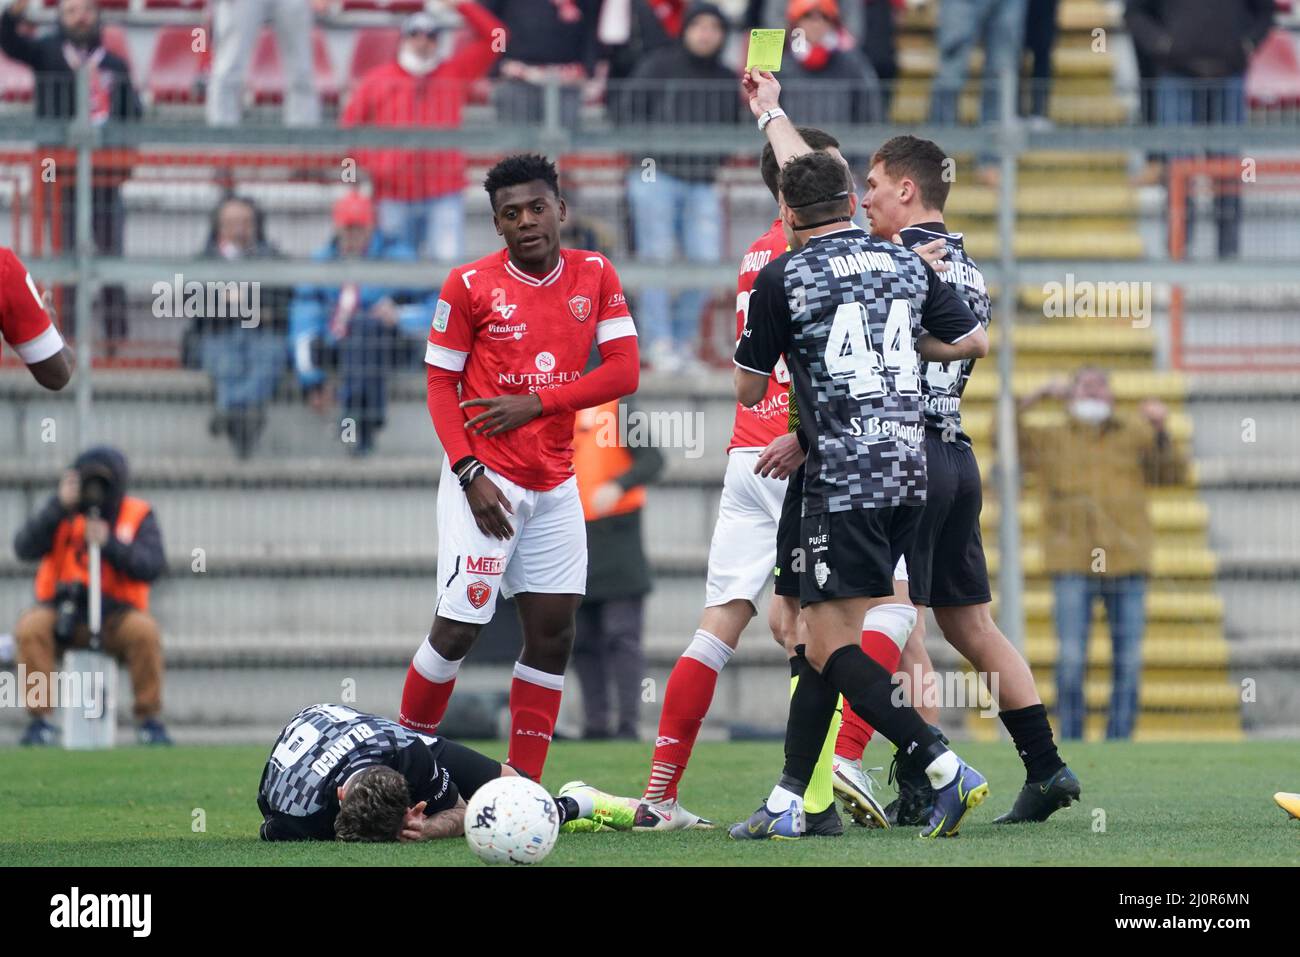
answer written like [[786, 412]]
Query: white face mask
[[413, 64], [1090, 411]]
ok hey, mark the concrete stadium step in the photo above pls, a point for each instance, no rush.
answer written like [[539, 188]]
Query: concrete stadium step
[[1176, 654], [215, 610], [1185, 513], [918, 57], [1097, 105], [1164, 604], [1184, 697], [1178, 563], [1116, 200], [1073, 16], [1046, 243]]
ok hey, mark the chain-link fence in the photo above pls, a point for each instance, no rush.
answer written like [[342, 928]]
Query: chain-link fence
[[249, 306]]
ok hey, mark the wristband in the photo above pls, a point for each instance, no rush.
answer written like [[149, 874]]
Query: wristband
[[768, 117], [470, 474]]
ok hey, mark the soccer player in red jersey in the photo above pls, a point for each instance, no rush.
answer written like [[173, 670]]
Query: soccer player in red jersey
[[26, 326], [511, 335], [764, 451]]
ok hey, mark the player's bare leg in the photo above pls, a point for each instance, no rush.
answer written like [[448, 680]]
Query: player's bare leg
[[917, 670], [1049, 783], [431, 677], [549, 625]]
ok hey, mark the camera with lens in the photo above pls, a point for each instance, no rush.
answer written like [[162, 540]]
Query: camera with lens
[[70, 605], [96, 481]]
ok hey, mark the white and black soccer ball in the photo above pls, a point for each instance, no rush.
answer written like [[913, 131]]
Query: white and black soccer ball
[[512, 821]]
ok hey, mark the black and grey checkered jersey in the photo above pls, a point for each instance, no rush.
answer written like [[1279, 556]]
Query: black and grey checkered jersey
[[944, 382], [320, 748], [846, 310]]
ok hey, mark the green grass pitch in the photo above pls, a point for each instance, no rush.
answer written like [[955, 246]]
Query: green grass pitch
[[1143, 804]]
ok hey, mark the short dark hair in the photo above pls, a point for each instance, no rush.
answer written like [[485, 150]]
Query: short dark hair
[[518, 169], [919, 160], [816, 185], [767, 165], [373, 806]]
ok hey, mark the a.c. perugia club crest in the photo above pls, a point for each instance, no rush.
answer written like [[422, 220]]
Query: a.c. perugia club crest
[[478, 593], [580, 306]]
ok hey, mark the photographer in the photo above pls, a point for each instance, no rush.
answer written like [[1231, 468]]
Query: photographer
[[91, 507]]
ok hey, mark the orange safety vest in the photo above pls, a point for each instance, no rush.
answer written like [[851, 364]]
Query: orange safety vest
[[69, 559], [598, 458]]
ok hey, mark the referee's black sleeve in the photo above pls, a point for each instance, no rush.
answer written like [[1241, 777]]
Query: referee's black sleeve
[[944, 315], [767, 324]]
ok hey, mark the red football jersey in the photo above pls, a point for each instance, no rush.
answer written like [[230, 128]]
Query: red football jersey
[[514, 333], [24, 323], [757, 427]]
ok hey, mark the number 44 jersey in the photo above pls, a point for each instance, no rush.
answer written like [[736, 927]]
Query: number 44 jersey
[[846, 311]]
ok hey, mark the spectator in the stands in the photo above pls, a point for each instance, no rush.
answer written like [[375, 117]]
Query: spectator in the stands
[[630, 29], [363, 332], [418, 193], [547, 42], [878, 40], [242, 347], [825, 79], [607, 647], [1200, 52], [1093, 473], [999, 27], [1040, 41], [76, 43], [91, 506], [236, 26], [674, 200]]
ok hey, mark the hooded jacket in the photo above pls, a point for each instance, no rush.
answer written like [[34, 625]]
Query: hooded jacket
[[142, 559], [673, 86]]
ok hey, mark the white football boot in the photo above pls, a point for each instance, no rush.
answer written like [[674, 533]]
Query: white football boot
[[668, 816], [854, 788]]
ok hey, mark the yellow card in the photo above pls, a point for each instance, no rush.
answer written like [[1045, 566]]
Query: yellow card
[[765, 48]]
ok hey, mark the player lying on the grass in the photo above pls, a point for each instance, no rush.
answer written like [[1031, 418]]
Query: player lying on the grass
[[906, 193], [850, 314], [339, 773], [763, 451], [511, 336]]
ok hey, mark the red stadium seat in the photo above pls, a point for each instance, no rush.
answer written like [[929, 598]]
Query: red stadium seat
[[1274, 76], [176, 71], [375, 46], [16, 83], [386, 6], [115, 42], [266, 75]]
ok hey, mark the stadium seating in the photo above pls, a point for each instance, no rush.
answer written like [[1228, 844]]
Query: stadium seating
[[176, 71], [1274, 77], [266, 74], [374, 47], [16, 82]]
